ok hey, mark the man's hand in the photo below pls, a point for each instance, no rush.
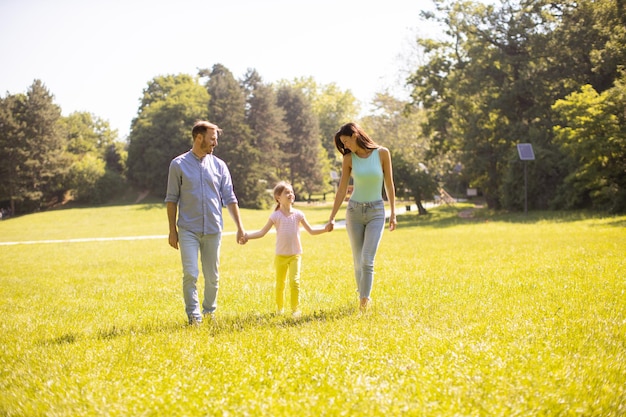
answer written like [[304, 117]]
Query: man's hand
[[173, 239]]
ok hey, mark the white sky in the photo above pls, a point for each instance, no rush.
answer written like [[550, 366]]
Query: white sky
[[98, 56]]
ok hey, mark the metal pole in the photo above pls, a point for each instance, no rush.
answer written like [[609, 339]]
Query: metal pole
[[525, 188]]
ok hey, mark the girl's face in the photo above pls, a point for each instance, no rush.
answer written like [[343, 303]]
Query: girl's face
[[287, 197]]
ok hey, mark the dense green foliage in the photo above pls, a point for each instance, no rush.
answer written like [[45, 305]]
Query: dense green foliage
[[43, 155], [492, 81], [307, 161], [597, 168], [269, 129], [31, 148], [495, 315], [416, 170], [332, 107], [269, 133], [97, 172], [161, 130]]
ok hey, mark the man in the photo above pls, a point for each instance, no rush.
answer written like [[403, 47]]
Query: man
[[198, 186]]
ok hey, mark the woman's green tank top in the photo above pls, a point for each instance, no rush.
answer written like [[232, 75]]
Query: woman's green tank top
[[367, 176]]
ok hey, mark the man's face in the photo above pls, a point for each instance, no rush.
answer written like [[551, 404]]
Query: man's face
[[208, 141]]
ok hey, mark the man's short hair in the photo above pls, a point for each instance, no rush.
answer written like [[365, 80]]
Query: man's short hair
[[201, 127]]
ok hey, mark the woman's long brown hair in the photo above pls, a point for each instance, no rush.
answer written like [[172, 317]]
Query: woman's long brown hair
[[362, 138]]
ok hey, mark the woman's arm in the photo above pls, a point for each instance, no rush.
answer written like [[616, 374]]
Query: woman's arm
[[390, 188], [342, 190]]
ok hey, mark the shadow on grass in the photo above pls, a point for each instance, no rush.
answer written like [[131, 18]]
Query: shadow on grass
[[228, 324], [461, 214], [239, 323], [619, 222], [66, 339], [150, 206]]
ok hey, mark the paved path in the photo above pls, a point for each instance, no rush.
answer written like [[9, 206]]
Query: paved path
[[339, 225]]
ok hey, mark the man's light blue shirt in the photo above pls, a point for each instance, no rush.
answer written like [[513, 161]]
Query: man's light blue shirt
[[201, 188]]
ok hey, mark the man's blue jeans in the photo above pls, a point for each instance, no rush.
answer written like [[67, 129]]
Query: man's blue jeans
[[365, 223], [190, 244]]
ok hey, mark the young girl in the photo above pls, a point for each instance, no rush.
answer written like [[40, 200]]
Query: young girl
[[288, 246]]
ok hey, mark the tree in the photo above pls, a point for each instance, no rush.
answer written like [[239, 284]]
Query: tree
[[162, 129], [491, 100], [491, 84], [83, 177], [227, 108], [9, 152], [86, 133], [588, 45], [116, 157], [268, 129], [414, 181], [31, 150], [89, 141], [593, 136], [309, 171], [332, 106], [397, 126]]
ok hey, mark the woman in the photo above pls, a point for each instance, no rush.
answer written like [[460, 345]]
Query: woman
[[369, 165]]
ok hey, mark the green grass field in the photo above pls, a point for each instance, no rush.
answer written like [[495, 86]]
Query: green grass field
[[495, 315]]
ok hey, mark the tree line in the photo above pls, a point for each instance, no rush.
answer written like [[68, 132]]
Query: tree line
[[539, 72], [270, 132], [45, 157]]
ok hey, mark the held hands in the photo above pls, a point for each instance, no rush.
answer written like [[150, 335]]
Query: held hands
[[242, 237], [329, 226]]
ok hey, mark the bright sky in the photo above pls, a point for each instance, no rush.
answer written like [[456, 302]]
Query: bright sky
[[98, 56]]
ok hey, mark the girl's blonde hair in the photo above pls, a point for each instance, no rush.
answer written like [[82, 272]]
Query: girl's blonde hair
[[278, 190]]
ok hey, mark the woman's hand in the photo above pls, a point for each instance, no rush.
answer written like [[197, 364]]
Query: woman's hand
[[392, 222]]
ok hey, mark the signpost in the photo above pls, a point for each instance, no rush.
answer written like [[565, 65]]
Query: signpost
[[526, 153]]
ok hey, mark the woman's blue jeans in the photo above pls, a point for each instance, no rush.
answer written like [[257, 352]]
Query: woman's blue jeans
[[208, 246], [365, 223]]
